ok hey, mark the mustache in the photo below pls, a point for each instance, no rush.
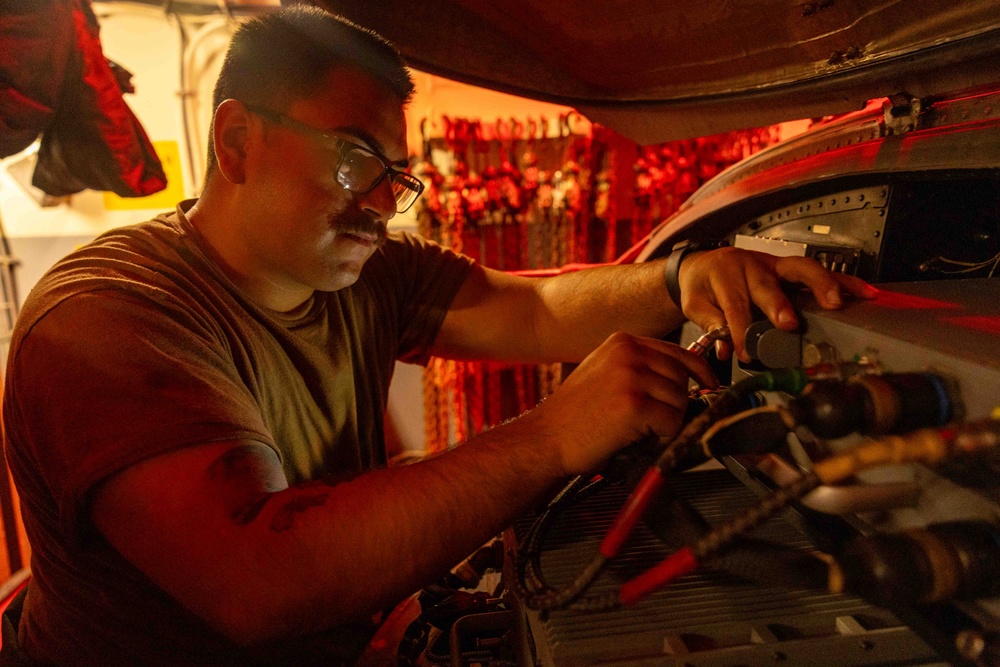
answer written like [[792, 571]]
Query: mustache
[[359, 224]]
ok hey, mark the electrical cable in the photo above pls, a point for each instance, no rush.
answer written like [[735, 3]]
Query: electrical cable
[[531, 586], [537, 595], [880, 404], [955, 560], [928, 446], [967, 267], [528, 561], [790, 380]]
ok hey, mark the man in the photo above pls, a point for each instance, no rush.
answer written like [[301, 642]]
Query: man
[[193, 407]]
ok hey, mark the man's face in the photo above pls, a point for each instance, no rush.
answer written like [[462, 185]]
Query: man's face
[[307, 232]]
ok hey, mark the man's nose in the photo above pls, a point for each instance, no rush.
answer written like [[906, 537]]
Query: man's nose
[[380, 203]]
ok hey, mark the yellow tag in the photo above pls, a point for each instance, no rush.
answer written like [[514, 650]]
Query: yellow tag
[[170, 157]]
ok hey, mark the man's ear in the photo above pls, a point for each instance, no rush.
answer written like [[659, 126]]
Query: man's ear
[[230, 132]]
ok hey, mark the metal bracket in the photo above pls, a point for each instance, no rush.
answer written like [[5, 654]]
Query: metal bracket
[[900, 113]]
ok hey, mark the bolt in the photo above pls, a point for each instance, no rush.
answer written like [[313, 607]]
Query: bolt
[[866, 644], [970, 644], [779, 656]]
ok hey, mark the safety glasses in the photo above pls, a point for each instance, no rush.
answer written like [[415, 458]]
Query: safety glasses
[[359, 169]]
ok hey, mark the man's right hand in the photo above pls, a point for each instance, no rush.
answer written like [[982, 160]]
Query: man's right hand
[[627, 388]]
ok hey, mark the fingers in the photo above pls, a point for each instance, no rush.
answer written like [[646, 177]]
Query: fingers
[[709, 290], [627, 388], [708, 315], [661, 378], [678, 364], [720, 286], [735, 310], [856, 286], [826, 286], [768, 296]]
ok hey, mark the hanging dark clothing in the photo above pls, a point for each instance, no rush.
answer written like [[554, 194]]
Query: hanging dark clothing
[[56, 82]]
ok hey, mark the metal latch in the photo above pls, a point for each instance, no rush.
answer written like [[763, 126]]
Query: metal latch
[[901, 112]]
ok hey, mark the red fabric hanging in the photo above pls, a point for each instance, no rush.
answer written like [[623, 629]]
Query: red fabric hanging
[[90, 138], [36, 40]]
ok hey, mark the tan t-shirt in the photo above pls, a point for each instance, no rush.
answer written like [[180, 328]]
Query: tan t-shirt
[[136, 345]]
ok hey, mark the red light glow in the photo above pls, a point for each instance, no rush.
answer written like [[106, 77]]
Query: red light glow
[[986, 323], [900, 301]]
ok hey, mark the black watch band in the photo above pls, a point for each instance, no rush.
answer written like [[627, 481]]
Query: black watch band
[[672, 269]]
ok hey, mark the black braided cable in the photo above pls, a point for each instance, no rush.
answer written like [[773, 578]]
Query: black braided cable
[[723, 535], [532, 586]]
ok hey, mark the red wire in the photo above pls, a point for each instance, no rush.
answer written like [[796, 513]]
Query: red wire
[[677, 565], [631, 512]]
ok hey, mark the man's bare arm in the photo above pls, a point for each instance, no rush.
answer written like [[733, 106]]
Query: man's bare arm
[[206, 525], [218, 528], [563, 318], [504, 317]]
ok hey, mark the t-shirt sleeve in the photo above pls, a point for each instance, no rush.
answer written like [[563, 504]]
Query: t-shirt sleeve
[[424, 278], [107, 379]]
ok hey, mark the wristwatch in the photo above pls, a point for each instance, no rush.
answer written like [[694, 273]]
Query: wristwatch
[[672, 269]]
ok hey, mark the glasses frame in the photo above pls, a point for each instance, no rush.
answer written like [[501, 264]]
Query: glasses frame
[[342, 147]]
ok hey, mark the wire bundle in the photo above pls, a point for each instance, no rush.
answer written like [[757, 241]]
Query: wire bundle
[[537, 594]]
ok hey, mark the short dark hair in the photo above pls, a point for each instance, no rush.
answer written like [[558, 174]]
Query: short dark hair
[[284, 55]]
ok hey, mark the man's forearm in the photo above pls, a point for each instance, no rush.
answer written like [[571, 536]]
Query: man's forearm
[[503, 317], [580, 310], [316, 556]]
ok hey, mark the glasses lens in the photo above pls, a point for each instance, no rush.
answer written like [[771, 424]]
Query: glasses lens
[[406, 189], [360, 170]]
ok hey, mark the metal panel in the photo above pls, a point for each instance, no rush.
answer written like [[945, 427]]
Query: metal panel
[[712, 617]]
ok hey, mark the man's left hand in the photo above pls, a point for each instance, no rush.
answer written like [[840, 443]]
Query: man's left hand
[[718, 287]]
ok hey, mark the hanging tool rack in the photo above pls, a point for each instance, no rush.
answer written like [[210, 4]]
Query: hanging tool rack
[[540, 193]]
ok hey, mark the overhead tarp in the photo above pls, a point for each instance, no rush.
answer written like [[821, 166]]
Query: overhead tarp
[[657, 70]]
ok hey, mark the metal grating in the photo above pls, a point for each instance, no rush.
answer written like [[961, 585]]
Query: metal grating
[[712, 617]]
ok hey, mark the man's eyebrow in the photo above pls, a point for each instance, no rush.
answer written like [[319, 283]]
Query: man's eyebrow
[[371, 141]]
